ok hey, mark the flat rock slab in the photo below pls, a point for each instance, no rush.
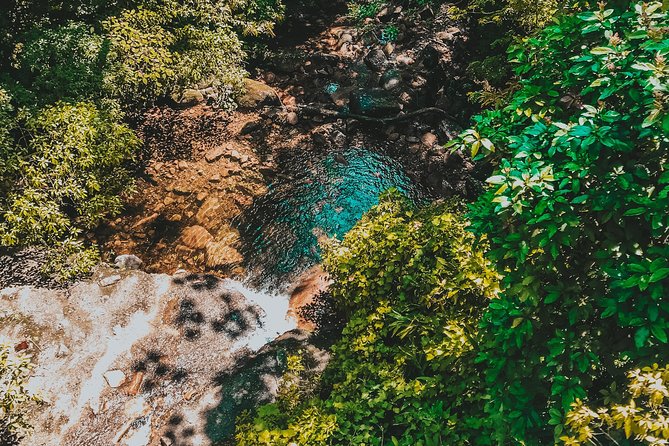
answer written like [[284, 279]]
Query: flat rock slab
[[142, 360]]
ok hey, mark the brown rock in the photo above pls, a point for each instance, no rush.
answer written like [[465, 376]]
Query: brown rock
[[145, 220], [213, 211], [227, 234], [133, 386], [235, 155], [182, 189], [214, 154], [196, 237], [429, 139], [403, 59], [292, 118], [222, 255]]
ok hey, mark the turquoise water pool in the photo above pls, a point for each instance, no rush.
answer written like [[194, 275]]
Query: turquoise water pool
[[315, 196]]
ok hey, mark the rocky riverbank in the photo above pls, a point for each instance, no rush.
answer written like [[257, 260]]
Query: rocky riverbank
[[344, 86]]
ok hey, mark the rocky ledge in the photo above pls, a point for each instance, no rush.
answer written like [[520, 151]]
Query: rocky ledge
[[132, 358]]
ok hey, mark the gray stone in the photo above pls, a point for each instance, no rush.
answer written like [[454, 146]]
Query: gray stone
[[114, 378], [390, 79], [376, 60], [108, 281], [128, 261]]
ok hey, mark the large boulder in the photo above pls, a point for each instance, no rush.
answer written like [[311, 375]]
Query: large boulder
[[257, 94]]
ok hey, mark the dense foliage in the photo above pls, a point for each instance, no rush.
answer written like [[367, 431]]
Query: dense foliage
[[15, 400], [576, 216], [67, 72], [403, 371], [642, 416]]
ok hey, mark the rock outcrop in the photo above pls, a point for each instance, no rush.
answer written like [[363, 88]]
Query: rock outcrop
[[150, 357]]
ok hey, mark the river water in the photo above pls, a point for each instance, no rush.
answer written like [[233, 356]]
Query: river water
[[315, 195]]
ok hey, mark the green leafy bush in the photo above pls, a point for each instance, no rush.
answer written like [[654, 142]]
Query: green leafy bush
[[576, 215], [15, 400], [157, 49], [64, 63], [68, 176], [403, 371], [290, 419]]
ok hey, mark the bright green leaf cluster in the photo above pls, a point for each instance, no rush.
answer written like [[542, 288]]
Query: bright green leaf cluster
[[643, 417], [15, 399]]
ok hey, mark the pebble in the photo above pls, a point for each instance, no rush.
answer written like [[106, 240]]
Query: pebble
[[418, 82], [388, 48], [292, 118], [235, 155], [62, 351], [345, 38], [216, 178], [429, 139], [391, 83], [214, 154], [114, 378], [403, 59]]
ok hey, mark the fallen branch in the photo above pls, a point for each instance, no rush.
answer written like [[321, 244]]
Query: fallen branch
[[313, 110]]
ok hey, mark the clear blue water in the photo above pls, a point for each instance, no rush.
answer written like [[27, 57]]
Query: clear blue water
[[317, 195]]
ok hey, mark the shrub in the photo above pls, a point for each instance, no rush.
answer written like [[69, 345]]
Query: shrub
[[141, 63], [64, 63], [69, 176], [158, 49], [576, 216], [15, 399], [291, 418]]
